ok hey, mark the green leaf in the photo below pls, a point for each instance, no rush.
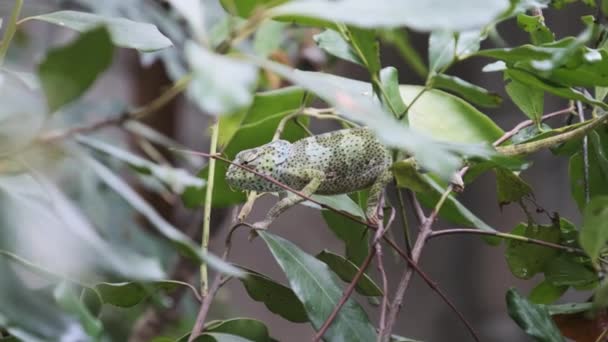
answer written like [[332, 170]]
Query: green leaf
[[250, 329], [220, 337], [422, 16], [598, 175], [526, 259], [442, 50], [179, 239], [346, 270], [468, 42], [354, 101], [66, 298], [533, 319], [594, 233], [247, 130], [22, 114], [546, 293], [569, 308], [389, 78], [408, 176], [353, 234], [566, 270], [530, 100], [209, 87], [278, 298], [341, 203], [129, 294], [333, 43], [176, 179], [561, 91], [510, 187], [124, 32], [466, 90], [448, 118], [317, 288], [268, 37], [365, 43], [68, 71], [245, 8], [535, 26]]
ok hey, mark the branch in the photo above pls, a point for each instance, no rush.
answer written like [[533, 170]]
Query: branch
[[524, 239], [151, 107], [581, 116], [528, 123]]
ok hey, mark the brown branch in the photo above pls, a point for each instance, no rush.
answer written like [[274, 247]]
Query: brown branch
[[199, 324], [389, 241], [527, 123], [379, 260]]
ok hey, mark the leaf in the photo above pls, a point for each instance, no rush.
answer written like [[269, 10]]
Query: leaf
[[250, 329], [529, 100], [317, 288], [70, 302], [546, 293], [533, 319], [22, 114], [468, 42], [568, 308], [278, 298], [268, 37], [209, 88], [446, 117], [129, 294], [247, 130], [176, 178], [220, 337], [346, 270], [365, 43], [124, 32], [341, 203], [353, 234], [535, 26], [466, 90], [70, 245], [422, 16], [192, 12], [442, 50], [525, 259], [510, 187], [408, 176], [181, 241], [68, 71], [351, 101], [566, 270], [332, 42], [598, 179], [389, 78], [594, 233], [561, 91]]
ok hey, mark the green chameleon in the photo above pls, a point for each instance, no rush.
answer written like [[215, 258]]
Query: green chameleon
[[333, 163]]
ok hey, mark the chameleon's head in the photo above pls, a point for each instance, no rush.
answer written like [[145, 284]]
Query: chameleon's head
[[265, 159]]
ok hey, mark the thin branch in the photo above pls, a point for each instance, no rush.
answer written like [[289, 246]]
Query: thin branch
[[528, 123], [581, 116], [383, 277], [153, 106], [199, 324], [455, 231], [405, 225]]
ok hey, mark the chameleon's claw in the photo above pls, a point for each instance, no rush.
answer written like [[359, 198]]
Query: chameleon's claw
[[373, 220]]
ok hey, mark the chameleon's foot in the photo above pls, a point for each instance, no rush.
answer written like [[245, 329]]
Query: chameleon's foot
[[373, 220], [262, 225]]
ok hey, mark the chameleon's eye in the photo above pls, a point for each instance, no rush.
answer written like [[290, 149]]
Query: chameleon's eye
[[249, 156]]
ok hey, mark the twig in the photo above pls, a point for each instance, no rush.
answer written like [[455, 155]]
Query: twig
[[383, 277], [527, 123], [581, 116], [405, 225], [199, 324], [146, 110], [524, 239], [417, 207], [390, 242]]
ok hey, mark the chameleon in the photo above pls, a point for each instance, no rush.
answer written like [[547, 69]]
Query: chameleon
[[337, 162]]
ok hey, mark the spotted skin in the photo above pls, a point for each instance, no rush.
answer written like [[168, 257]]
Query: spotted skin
[[333, 163]]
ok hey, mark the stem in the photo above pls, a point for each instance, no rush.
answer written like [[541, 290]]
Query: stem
[[403, 215], [204, 310], [527, 123], [531, 147], [11, 28], [407, 108], [581, 116], [507, 236], [208, 199]]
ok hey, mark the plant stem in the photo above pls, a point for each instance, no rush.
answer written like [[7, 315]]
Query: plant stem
[[207, 208], [405, 225], [11, 28], [455, 231], [527, 123], [581, 116]]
